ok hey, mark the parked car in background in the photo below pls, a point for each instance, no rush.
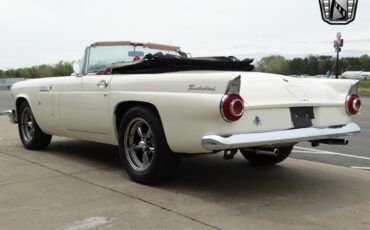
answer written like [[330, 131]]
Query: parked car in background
[[157, 104], [356, 75]]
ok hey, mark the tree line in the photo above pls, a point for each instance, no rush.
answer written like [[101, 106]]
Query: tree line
[[312, 65], [60, 69]]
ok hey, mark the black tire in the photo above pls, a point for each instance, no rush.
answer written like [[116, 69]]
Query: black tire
[[31, 135], [266, 159], [146, 157]]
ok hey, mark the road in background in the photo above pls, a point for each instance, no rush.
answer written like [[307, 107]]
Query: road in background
[[355, 155], [5, 100]]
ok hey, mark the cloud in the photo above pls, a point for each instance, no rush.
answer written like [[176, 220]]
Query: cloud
[[249, 46], [363, 40], [44, 31]]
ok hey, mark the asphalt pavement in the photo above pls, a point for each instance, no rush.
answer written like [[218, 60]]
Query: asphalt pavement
[[5, 101], [81, 185]]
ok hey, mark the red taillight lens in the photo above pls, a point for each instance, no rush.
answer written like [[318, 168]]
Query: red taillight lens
[[232, 107], [353, 104]]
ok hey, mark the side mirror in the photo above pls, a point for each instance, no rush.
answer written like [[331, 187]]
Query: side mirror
[[76, 65]]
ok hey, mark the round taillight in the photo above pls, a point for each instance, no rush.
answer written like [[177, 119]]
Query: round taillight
[[353, 104], [232, 107]]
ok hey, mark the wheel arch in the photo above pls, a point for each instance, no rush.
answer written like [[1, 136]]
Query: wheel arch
[[122, 108], [18, 101]]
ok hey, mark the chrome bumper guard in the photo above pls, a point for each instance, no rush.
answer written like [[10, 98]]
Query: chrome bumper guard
[[237, 141], [11, 115]]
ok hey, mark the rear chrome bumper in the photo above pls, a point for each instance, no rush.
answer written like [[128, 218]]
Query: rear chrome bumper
[[11, 115], [237, 141]]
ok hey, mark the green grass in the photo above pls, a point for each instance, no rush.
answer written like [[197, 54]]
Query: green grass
[[364, 90], [365, 84], [364, 93]]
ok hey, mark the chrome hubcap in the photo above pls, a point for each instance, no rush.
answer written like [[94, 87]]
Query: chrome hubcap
[[139, 144], [28, 125]]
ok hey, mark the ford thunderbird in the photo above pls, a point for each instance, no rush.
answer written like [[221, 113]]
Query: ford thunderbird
[[157, 103]]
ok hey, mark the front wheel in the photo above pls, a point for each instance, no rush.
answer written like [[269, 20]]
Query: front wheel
[[143, 147], [266, 159], [31, 135]]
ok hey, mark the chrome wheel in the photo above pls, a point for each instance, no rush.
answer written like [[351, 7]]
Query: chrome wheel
[[139, 144], [27, 125]]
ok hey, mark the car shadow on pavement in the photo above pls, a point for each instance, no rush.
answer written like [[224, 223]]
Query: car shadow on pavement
[[235, 184], [291, 185], [210, 173], [239, 176], [84, 151]]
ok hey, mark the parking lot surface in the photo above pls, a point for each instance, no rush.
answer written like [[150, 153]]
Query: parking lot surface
[[5, 100], [80, 185]]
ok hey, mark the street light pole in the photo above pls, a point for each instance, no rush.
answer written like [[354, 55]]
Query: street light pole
[[338, 43]]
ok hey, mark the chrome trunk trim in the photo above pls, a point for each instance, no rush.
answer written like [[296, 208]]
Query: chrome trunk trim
[[237, 141]]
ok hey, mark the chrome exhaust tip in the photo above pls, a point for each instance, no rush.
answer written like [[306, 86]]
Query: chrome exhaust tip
[[276, 152]]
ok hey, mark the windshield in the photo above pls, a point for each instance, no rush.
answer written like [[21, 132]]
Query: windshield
[[102, 57]]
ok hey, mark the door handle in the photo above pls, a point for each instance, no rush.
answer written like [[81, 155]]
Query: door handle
[[102, 83]]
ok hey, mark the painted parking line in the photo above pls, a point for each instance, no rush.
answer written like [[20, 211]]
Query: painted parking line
[[88, 223], [357, 167], [322, 152]]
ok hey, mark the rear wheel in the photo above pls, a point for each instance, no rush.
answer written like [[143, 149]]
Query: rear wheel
[[143, 147], [31, 135], [267, 159]]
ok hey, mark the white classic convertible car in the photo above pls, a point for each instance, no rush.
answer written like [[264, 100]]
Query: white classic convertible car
[[157, 104]]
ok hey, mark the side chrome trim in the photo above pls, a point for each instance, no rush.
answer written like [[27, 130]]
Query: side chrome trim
[[11, 115], [236, 141], [44, 88]]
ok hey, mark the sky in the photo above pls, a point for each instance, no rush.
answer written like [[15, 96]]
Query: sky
[[45, 32]]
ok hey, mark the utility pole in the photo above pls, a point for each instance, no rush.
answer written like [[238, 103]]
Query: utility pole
[[338, 44]]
